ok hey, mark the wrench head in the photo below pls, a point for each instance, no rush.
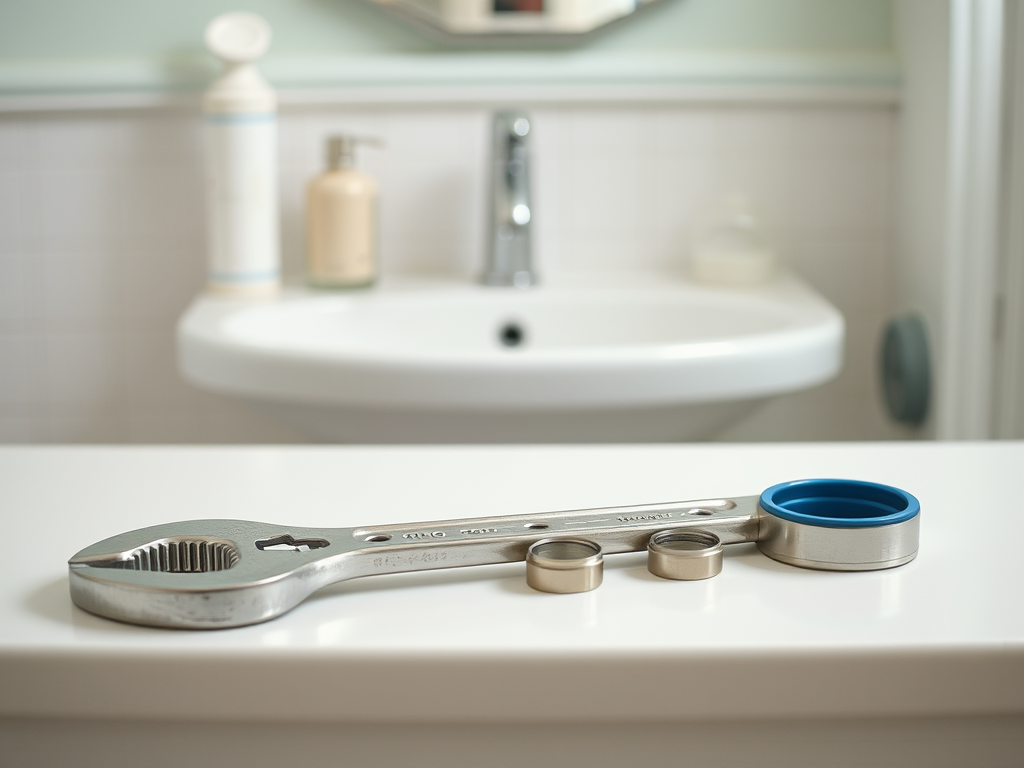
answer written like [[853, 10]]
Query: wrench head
[[199, 574]]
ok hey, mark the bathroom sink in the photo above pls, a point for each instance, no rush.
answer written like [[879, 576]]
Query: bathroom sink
[[599, 359]]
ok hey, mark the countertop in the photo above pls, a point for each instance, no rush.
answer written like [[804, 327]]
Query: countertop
[[940, 636]]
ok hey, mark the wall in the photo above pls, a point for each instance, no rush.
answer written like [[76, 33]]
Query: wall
[[101, 223], [923, 170], [103, 236], [960, 263], [147, 45], [1010, 345]]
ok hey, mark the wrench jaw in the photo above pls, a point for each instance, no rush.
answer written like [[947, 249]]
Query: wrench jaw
[[120, 548], [191, 600], [166, 576], [179, 601]]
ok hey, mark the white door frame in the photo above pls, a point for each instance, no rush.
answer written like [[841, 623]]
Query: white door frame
[[1009, 372], [966, 380]]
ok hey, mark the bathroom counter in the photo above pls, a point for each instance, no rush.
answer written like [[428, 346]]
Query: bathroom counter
[[939, 641]]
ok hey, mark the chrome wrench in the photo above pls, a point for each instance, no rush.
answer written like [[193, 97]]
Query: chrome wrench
[[212, 574]]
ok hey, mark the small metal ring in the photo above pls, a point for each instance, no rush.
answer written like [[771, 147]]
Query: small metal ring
[[564, 565], [684, 555]]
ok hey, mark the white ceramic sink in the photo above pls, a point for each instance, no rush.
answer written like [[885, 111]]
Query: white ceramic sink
[[612, 359]]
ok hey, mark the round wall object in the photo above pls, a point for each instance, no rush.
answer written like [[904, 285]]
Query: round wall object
[[906, 370]]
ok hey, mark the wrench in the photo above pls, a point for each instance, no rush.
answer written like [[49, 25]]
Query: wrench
[[213, 574]]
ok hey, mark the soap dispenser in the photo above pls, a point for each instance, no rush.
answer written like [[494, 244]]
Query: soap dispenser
[[341, 211], [733, 251]]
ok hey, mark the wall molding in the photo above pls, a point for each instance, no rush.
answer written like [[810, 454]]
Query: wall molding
[[470, 78], [524, 96]]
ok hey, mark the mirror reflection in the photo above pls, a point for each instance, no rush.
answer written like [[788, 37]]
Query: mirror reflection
[[493, 19]]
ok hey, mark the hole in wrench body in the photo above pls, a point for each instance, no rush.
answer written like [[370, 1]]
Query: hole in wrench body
[[287, 543]]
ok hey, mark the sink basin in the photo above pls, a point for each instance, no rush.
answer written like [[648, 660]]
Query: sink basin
[[639, 358]]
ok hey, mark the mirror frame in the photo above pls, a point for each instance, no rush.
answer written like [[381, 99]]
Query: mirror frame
[[476, 21]]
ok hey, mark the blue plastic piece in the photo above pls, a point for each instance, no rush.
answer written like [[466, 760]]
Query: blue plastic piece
[[839, 503]]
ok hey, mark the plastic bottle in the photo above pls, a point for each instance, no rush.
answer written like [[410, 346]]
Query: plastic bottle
[[241, 162], [733, 252], [341, 211]]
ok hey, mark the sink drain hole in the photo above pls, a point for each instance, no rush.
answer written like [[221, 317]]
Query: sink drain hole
[[512, 335]]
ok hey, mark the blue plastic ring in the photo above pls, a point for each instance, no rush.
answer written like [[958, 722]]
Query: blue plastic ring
[[839, 503]]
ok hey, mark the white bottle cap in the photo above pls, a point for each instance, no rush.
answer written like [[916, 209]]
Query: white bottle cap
[[238, 38]]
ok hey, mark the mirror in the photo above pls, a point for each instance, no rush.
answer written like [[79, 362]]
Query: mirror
[[496, 20]]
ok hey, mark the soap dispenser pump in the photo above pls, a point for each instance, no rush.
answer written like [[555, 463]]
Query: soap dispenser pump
[[341, 210]]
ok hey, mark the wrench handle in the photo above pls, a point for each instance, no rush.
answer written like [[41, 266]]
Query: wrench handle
[[505, 539]]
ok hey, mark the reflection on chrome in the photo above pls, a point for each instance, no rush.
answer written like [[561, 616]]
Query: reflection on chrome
[[509, 255]]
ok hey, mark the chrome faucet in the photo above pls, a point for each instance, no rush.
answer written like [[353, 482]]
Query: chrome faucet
[[509, 258]]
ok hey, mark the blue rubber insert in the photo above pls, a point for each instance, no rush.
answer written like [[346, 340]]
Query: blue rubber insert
[[839, 503]]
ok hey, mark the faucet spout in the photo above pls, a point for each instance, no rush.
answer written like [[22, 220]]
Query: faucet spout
[[509, 257]]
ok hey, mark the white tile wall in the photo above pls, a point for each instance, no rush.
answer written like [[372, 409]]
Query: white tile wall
[[101, 239]]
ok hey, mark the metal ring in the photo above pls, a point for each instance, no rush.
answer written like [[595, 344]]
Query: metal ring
[[839, 525], [684, 555], [564, 565]]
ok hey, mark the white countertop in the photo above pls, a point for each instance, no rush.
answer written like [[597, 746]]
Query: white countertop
[[941, 635]]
